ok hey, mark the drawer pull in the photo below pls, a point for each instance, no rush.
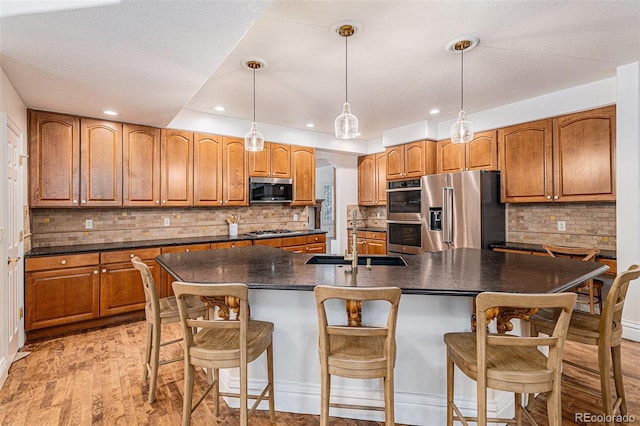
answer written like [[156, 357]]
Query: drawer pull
[[95, 272], [132, 255], [104, 271], [187, 250], [63, 262]]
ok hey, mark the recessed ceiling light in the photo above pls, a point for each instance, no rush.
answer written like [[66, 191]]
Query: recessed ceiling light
[[109, 112], [434, 111], [219, 108], [310, 125]]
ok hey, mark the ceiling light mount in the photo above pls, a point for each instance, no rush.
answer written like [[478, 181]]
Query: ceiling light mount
[[463, 44], [346, 28]]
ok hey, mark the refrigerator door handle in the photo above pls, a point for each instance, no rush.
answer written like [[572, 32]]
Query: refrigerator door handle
[[447, 215]]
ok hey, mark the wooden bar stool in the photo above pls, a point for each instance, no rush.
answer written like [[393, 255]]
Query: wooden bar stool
[[359, 352], [604, 332]]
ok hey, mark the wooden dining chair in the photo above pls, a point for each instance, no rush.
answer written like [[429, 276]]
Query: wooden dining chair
[[223, 343], [158, 312], [604, 332], [510, 363], [590, 291], [358, 352]]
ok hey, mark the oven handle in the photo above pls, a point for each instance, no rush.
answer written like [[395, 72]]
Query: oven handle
[[413, 188], [405, 222]]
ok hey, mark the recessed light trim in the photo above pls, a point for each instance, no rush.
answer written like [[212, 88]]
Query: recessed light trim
[[219, 108], [310, 125], [109, 112], [434, 111]]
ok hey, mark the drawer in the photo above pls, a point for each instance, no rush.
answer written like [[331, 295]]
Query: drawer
[[63, 261], [369, 235], [271, 242], [294, 241], [126, 255], [230, 244], [611, 263], [317, 238], [186, 248]]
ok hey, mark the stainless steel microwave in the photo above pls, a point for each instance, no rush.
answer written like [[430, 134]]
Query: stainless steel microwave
[[270, 190]]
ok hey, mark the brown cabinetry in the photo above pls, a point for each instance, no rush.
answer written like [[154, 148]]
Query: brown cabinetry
[[567, 158], [411, 160], [207, 175], [61, 290], [372, 179], [177, 168], [315, 243], [165, 278], [235, 173], [121, 284], [303, 172], [369, 242], [479, 154], [273, 161], [141, 166]]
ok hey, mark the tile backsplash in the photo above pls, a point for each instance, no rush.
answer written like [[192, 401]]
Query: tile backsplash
[[587, 224], [62, 227], [368, 216]]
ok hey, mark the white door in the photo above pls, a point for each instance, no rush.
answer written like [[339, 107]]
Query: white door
[[13, 236]]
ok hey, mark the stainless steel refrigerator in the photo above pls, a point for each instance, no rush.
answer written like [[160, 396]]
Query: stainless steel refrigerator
[[462, 210]]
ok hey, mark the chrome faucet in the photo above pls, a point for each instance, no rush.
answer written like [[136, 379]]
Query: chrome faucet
[[353, 257]]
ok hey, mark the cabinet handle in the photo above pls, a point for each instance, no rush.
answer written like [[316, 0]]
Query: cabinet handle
[[132, 255], [63, 262], [233, 245], [186, 250], [84, 201], [556, 197], [104, 271], [220, 201], [75, 201], [95, 272], [548, 197], [157, 201], [164, 201]]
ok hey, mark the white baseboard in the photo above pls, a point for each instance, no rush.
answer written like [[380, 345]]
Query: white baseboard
[[631, 330]]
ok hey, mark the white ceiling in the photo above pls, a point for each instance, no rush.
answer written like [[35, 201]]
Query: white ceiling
[[151, 59]]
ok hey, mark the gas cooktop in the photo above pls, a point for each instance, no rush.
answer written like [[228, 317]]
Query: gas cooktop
[[272, 233]]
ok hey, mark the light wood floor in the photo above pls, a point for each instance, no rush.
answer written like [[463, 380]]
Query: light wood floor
[[95, 378]]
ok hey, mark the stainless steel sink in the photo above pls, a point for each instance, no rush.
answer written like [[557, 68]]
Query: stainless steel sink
[[362, 260]]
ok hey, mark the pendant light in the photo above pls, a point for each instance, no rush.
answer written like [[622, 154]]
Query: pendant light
[[253, 140], [346, 124], [462, 129]]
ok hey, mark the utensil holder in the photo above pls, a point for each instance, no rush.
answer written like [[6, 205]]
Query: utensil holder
[[233, 229]]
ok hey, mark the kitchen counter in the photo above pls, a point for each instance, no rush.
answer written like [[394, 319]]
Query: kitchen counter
[[86, 248], [365, 228], [459, 272], [606, 254]]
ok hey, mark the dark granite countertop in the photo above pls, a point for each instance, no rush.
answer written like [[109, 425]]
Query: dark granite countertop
[[86, 248], [459, 272], [365, 228], [607, 254]]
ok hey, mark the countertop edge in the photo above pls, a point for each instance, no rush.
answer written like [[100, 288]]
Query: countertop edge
[[605, 254]]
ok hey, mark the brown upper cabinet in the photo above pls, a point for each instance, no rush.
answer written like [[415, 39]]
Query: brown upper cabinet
[[372, 179], [411, 160], [207, 174], [176, 174], [273, 161], [303, 172], [567, 158], [235, 172], [479, 154], [54, 160], [141, 166]]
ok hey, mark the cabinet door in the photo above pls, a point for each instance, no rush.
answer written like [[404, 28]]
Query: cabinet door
[[260, 161], [367, 180], [207, 180], [141, 166], [54, 160], [318, 248], [121, 287], [176, 175], [235, 172], [61, 296], [395, 162], [303, 171], [100, 163], [450, 156], [376, 247], [381, 178], [526, 162], [584, 149], [231, 244], [414, 159], [165, 278], [280, 160], [482, 152]]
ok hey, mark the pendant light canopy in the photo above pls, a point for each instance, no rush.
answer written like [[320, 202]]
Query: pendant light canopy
[[346, 124], [253, 140], [462, 129]]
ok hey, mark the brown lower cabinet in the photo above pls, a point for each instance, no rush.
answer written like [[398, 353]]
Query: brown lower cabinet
[[299, 244], [369, 242]]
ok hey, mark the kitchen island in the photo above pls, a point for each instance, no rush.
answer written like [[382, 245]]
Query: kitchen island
[[438, 290]]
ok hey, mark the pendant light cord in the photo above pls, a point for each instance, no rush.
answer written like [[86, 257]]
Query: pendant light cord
[[346, 67], [254, 95], [462, 81]]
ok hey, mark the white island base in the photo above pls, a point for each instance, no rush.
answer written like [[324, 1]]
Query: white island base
[[420, 372]]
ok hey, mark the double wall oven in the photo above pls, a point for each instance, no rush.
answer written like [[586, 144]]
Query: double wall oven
[[404, 216]]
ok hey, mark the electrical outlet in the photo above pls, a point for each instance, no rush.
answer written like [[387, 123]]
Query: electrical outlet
[[295, 217], [562, 225], [167, 221], [377, 215], [88, 224]]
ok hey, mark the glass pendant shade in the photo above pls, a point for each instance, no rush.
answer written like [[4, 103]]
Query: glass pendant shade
[[346, 123], [461, 130], [253, 140]]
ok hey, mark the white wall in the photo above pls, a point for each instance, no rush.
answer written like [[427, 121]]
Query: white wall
[[628, 188], [12, 105]]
